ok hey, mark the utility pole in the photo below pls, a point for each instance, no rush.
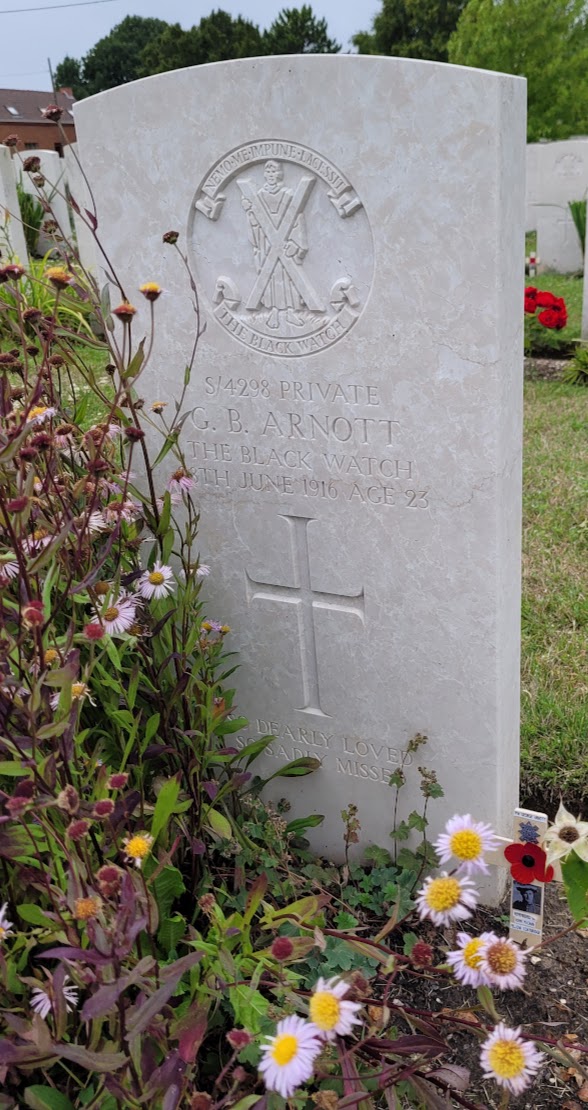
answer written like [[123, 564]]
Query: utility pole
[[52, 77]]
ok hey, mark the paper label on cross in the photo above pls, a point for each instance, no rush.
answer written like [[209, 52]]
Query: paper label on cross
[[527, 898], [306, 601]]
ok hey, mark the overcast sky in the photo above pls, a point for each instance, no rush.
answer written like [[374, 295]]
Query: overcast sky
[[29, 38]]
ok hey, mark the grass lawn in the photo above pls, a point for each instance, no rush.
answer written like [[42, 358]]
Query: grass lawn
[[555, 595]]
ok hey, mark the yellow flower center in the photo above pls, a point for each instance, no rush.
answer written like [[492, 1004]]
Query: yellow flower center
[[177, 474], [37, 410], [471, 953], [39, 534], [443, 894], [502, 959], [150, 287], [156, 578], [507, 1059], [325, 1009], [85, 908], [78, 689], [466, 844], [111, 613], [50, 656], [2, 932], [284, 1049], [137, 847]]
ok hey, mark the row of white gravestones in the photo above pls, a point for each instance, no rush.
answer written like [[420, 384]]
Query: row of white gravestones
[[61, 175], [355, 426], [556, 174]]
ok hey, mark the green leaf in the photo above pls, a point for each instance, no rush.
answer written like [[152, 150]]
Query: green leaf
[[219, 824], [168, 886], [34, 915], [165, 514], [226, 727], [416, 821], [13, 770], [171, 932], [300, 824], [136, 362], [575, 877], [164, 806], [249, 1007], [170, 441], [251, 751], [46, 1098], [303, 766]]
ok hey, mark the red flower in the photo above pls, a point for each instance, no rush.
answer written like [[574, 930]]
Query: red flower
[[530, 299], [555, 316], [528, 863], [545, 299]]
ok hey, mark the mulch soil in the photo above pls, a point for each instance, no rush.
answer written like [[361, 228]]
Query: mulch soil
[[553, 1003], [544, 369]]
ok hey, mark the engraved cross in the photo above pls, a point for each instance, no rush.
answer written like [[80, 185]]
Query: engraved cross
[[306, 601], [277, 237]]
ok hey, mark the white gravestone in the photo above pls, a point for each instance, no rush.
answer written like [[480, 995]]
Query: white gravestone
[[556, 174], [53, 169], [12, 239], [356, 229], [79, 191]]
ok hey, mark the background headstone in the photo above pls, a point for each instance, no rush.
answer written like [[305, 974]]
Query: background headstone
[[11, 232], [356, 229], [556, 174], [53, 169], [78, 188]]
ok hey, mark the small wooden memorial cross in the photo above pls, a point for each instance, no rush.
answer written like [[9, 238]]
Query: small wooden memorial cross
[[527, 899]]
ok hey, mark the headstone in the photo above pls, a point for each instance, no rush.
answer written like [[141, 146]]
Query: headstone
[[12, 240], [78, 189], [355, 225], [558, 243], [556, 173], [53, 170]]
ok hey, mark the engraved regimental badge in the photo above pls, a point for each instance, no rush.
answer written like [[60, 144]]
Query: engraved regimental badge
[[282, 247]]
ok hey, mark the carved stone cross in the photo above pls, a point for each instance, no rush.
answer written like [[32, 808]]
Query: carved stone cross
[[306, 601]]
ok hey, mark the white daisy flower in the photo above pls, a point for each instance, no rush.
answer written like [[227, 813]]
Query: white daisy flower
[[288, 1058], [39, 414], [330, 1012], [6, 929], [42, 998], [566, 833], [10, 569], [121, 510], [119, 615], [156, 583], [136, 848], [79, 692], [95, 523], [446, 898], [180, 482], [503, 962], [466, 840], [203, 571], [465, 960], [36, 541], [508, 1059]]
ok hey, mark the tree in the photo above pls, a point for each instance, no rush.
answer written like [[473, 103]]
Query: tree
[[114, 60], [216, 38], [412, 29], [298, 31], [68, 75], [546, 42]]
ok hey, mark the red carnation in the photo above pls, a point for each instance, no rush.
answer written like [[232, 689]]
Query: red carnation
[[545, 299], [530, 299], [528, 863], [555, 316]]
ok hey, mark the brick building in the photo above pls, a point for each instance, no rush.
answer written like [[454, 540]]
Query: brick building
[[21, 114]]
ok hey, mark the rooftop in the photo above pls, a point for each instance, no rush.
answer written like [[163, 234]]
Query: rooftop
[[25, 106]]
